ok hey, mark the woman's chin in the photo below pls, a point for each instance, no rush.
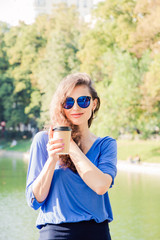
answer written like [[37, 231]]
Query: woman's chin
[[76, 122]]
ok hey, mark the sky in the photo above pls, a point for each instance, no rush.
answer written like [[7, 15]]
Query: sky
[[12, 11]]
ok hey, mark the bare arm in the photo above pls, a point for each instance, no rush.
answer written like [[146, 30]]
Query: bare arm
[[91, 175], [41, 185]]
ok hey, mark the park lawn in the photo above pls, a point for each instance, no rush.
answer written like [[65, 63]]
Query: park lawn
[[148, 150], [22, 145]]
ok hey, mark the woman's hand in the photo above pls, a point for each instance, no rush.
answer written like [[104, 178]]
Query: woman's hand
[[54, 146], [42, 183]]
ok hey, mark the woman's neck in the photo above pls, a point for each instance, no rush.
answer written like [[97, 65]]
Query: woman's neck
[[87, 138], [84, 132]]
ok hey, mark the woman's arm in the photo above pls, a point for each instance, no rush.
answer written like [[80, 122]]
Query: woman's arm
[[91, 175], [41, 185]]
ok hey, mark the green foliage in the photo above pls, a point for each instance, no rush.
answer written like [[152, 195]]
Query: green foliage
[[14, 134], [59, 58], [120, 50], [22, 48], [3, 58], [6, 85], [6, 90], [121, 96], [125, 65]]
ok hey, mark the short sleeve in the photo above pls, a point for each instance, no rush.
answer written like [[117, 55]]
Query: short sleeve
[[38, 157], [108, 157]]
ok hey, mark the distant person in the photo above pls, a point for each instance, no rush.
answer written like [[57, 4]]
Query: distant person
[[3, 125], [130, 159], [72, 191], [13, 143], [137, 159]]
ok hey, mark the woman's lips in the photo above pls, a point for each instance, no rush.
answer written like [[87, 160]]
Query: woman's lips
[[76, 115]]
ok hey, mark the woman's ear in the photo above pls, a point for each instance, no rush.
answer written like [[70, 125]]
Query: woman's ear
[[94, 104]]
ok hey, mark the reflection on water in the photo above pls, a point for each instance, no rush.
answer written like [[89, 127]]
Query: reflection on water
[[135, 201], [17, 220], [136, 206]]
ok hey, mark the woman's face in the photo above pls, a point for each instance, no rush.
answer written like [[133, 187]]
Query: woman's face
[[76, 114]]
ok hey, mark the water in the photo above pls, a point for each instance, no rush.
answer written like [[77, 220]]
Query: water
[[135, 201], [136, 206], [17, 220]]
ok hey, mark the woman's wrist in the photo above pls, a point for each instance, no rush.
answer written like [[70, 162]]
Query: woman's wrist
[[52, 160]]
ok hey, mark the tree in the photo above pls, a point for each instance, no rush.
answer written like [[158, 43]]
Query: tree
[[23, 44], [6, 83], [120, 96], [114, 23], [147, 33], [121, 53], [60, 55]]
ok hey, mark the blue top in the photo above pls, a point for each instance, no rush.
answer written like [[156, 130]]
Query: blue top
[[69, 198]]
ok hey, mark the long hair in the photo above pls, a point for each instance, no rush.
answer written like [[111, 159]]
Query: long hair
[[57, 114]]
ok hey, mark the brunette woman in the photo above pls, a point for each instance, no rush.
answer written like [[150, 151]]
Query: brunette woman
[[72, 191]]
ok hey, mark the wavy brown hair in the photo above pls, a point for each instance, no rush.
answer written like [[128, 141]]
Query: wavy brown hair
[[57, 114]]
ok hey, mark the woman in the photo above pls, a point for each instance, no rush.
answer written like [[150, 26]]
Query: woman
[[72, 191]]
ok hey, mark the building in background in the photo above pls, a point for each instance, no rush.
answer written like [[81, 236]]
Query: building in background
[[46, 6], [13, 11]]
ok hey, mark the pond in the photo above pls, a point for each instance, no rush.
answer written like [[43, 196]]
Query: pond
[[136, 207], [135, 201], [17, 220]]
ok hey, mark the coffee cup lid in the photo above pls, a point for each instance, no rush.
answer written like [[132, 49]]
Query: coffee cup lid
[[62, 128]]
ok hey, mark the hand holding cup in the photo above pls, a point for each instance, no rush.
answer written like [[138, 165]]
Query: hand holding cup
[[63, 132], [54, 146]]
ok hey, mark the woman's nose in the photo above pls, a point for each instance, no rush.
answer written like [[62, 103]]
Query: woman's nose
[[75, 106]]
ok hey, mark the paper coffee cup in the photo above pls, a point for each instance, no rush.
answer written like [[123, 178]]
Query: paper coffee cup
[[64, 133]]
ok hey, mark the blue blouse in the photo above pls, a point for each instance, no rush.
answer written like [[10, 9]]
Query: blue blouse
[[69, 198]]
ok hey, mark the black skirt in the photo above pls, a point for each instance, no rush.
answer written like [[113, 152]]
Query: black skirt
[[85, 230]]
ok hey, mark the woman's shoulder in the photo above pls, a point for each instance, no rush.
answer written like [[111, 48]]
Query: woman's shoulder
[[106, 141], [41, 136], [107, 138]]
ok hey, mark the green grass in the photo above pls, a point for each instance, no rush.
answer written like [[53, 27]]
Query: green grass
[[22, 145], [149, 150]]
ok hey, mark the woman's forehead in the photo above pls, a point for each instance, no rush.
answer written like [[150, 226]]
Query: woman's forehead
[[80, 90]]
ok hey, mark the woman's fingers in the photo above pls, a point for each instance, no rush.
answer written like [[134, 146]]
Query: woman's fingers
[[51, 132], [54, 146], [54, 141], [53, 152]]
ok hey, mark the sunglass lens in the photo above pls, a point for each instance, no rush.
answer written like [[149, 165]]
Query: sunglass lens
[[84, 101], [69, 103]]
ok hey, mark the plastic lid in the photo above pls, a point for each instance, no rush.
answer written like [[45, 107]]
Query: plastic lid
[[62, 128]]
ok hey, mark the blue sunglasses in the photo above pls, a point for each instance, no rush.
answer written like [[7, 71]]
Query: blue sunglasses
[[83, 102]]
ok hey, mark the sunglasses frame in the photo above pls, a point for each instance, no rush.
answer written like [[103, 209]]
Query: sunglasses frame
[[77, 102]]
